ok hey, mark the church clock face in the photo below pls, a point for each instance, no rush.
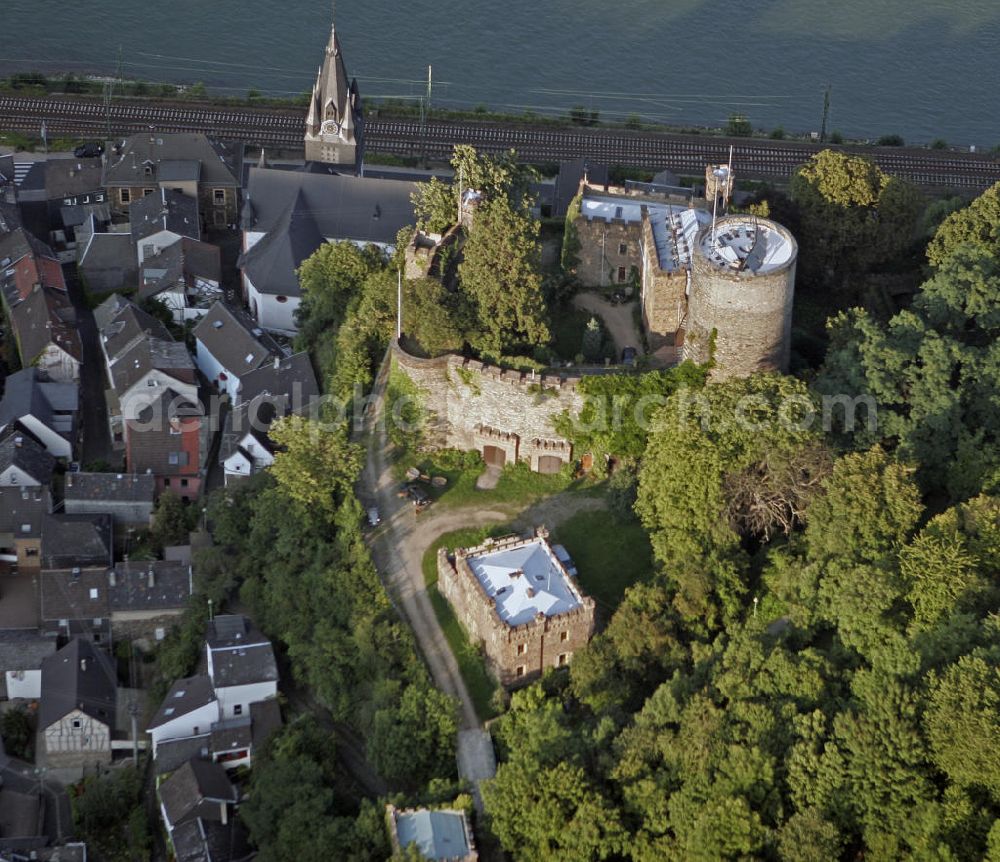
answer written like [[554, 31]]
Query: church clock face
[[330, 127]]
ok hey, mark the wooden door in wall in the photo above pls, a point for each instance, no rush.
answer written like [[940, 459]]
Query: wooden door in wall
[[494, 456], [549, 464]]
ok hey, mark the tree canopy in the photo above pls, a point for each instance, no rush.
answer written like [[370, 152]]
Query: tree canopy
[[851, 216], [500, 276]]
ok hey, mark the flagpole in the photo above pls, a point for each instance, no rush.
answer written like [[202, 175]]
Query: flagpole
[[399, 304]]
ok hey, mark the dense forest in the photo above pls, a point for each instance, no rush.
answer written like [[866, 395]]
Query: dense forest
[[811, 671]]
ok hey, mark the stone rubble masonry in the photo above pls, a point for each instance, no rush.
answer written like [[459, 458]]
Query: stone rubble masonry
[[663, 295], [750, 314], [470, 405], [544, 642]]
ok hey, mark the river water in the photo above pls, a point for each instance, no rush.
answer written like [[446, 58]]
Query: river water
[[922, 69]]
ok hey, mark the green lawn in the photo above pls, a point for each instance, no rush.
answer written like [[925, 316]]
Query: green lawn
[[478, 681], [609, 554], [471, 665], [518, 484]]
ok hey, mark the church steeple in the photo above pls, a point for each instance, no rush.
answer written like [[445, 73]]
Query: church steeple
[[334, 124]]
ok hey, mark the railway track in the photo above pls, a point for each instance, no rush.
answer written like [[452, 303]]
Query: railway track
[[684, 154]]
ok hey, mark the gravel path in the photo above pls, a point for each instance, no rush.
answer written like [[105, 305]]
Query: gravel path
[[402, 539], [618, 319]]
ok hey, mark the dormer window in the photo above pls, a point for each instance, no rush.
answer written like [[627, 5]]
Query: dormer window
[[147, 170]]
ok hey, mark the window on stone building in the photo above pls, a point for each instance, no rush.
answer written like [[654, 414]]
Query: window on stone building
[[147, 192], [623, 248], [621, 274], [219, 196], [563, 658], [563, 636], [126, 195], [521, 648], [519, 671], [76, 724], [238, 709]]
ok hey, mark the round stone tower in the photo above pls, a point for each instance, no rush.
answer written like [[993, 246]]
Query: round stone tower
[[740, 301]]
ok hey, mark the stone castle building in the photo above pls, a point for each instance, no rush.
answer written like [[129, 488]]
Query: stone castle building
[[731, 286], [335, 123], [740, 306], [516, 598]]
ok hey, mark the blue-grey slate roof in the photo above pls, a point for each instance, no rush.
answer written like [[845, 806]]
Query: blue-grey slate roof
[[296, 210], [22, 451], [164, 209], [437, 834], [79, 676]]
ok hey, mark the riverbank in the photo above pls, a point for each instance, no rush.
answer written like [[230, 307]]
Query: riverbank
[[738, 126]]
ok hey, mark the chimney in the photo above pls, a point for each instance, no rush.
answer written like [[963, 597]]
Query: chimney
[[277, 362], [151, 578], [112, 580], [83, 665], [18, 441]]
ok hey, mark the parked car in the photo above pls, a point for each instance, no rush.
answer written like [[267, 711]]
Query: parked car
[[567, 561], [374, 519], [629, 355], [88, 151], [417, 495]]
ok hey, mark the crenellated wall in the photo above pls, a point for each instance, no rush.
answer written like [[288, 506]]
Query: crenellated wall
[[515, 654], [472, 405]]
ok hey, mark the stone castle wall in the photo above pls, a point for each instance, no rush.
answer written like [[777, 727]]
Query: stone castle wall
[[472, 405], [515, 655], [600, 254]]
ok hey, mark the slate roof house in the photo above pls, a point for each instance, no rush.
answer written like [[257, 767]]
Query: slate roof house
[[77, 714], [282, 387], [241, 664], [106, 261], [287, 215], [169, 439], [76, 540], [45, 327], [22, 514], [198, 806], [72, 190], [186, 276], [23, 461], [191, 163], [161, 219], [127, 497], [153, 406], [44, 409], [137, 599], [228, 346], [32, 262]]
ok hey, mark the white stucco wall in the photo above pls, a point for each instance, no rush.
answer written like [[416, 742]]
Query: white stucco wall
[[212, 368], [196, 722], [272, 315], [243, 695]]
